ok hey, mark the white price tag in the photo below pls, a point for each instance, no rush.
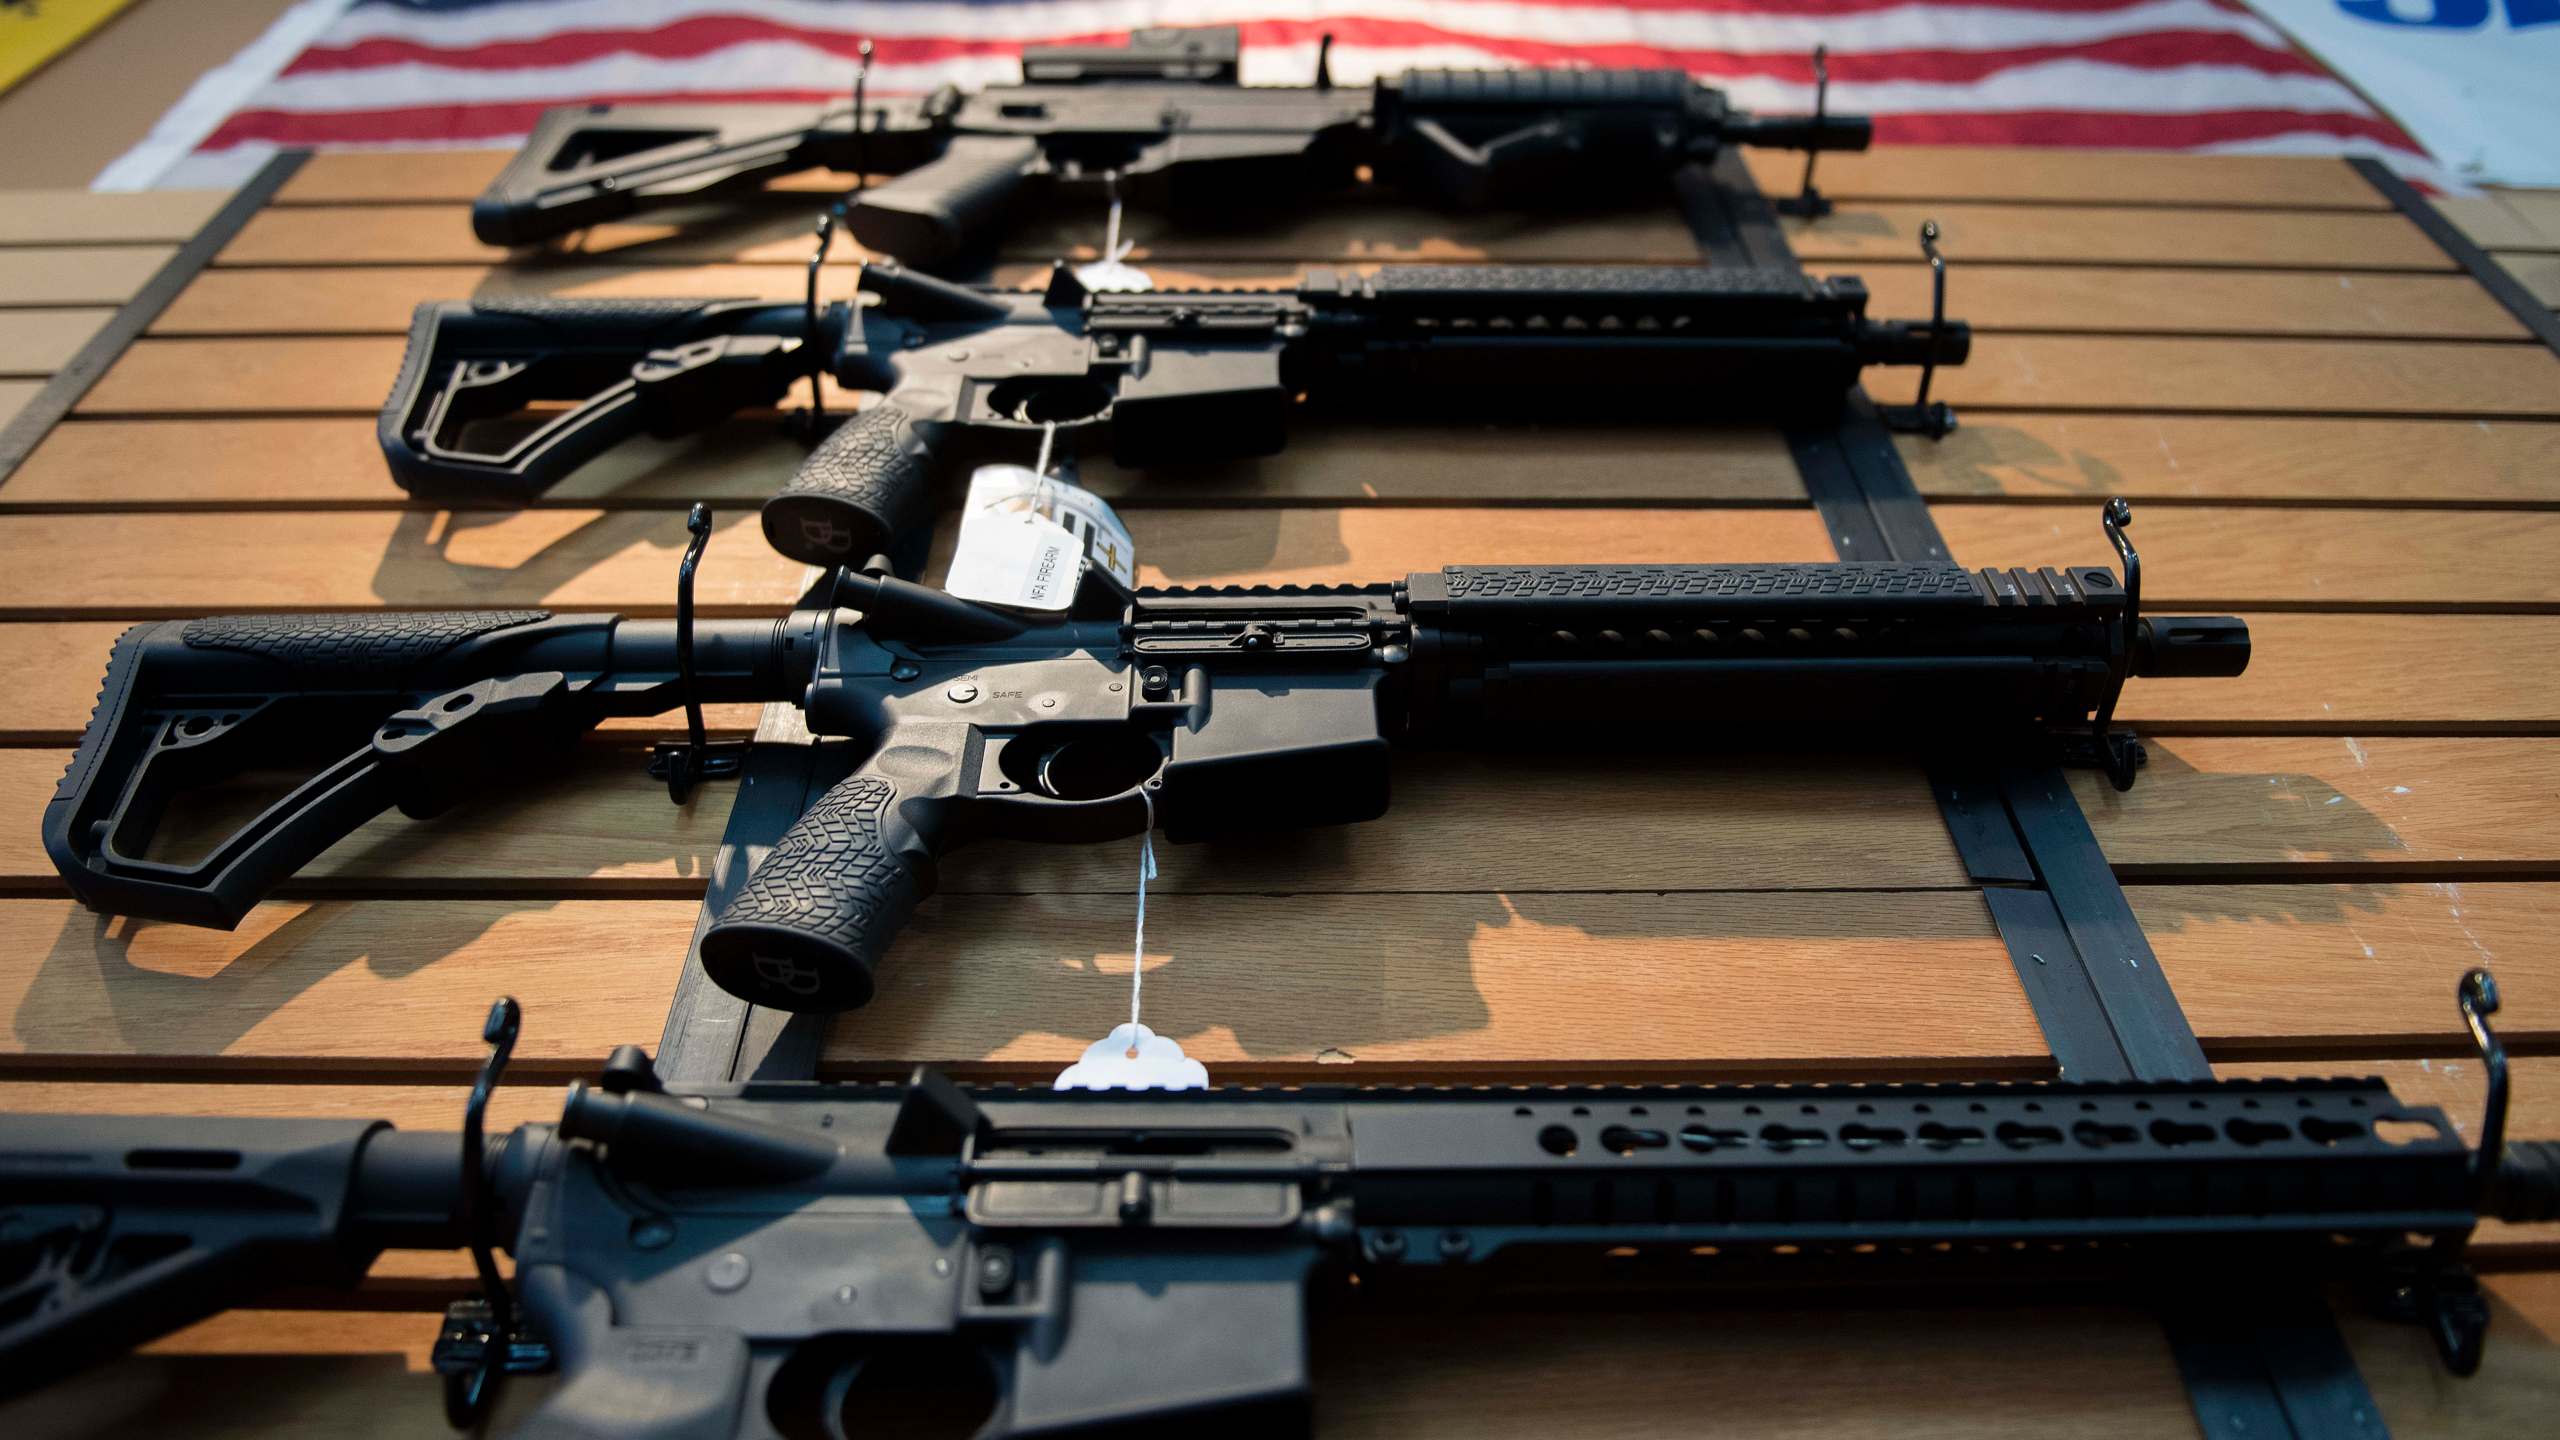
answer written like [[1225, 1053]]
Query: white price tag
[[1120, 275], [1133, 1057], [1026, 541]]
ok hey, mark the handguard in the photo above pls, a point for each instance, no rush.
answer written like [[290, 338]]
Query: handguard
[[504, 398], [785, 1257]]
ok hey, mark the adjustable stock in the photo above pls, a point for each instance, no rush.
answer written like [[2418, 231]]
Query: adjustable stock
[[585, 164], [358, 713], [504, 398]]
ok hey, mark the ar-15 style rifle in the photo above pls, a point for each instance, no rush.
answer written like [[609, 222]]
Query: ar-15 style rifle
[[1161, 121], [1170, 378], [1215, 711], [777, 1259]]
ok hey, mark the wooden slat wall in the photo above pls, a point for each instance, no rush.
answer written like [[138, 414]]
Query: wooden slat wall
[[67, 259], [2325, 425]]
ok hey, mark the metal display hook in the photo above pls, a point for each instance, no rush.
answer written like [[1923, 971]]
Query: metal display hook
[[482, 1341], [1809, 203], [686, 765], [1923, 416]]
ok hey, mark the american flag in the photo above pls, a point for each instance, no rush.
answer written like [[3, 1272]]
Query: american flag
[[2148, 74]]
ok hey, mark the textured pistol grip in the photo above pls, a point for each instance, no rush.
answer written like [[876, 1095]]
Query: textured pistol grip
[[810, 925], [861, 488], [2528, 1188], [949, 207]]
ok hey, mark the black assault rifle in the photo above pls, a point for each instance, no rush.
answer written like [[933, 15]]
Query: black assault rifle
[[505, 397], [1215, 711], [1160, 121], [787, 1258]]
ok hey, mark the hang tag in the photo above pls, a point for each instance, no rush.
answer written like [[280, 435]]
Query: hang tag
[[1117, 275], [1158, 1065], [1026, 540]]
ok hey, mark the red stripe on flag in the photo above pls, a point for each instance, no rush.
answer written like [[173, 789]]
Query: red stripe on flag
[[694, 39]]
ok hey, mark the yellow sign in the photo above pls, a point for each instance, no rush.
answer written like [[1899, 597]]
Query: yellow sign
[[32, 32]]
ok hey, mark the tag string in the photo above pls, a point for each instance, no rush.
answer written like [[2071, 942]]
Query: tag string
[[1048, 442], [1138, 953], [1113, 252]]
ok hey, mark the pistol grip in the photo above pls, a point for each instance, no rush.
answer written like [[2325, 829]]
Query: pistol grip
[[858, 491], [949, 207], [812, 922]]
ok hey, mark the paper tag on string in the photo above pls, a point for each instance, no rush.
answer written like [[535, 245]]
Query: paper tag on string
[[1158, 1064], [1027, 539], [1114, 275]]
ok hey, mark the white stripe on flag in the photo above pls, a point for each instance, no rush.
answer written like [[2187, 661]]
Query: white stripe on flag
[[1903, 27], [2068, 84]]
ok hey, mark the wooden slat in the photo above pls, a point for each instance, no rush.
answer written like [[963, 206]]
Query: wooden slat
[[304, 462], [341, 986], [397, 177], [228, 463], [39, 342], [300, 463], [305, 375], [2452, 808], [1897, 172], [1459, 823], [2246, 961], [773, 229], [378, 300], [1494, 1371], [2370, 674], [2538, 207], [1972, 234], [2285, 376], [2253, 458], [84, 217], [132, 565], [1942, 173], [2539, 274], [53, 276], [777, 230], [2227, 302], [626, 560], [1263, 986], [14, 395], [2246, 557], [2120, 236], [296, 375], [2227, 806], [2489, 222]]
